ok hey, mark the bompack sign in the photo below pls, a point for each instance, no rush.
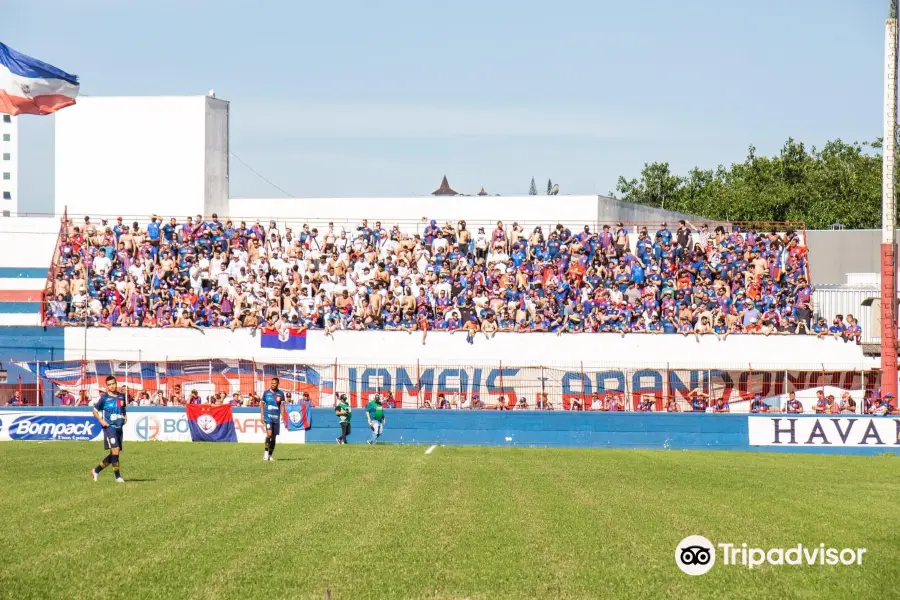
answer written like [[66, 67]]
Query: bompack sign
[[848, 431], [48, 427]]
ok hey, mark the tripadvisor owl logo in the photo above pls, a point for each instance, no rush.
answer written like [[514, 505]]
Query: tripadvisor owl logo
[[695, 555]]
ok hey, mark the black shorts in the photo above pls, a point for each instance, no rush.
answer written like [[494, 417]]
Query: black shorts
[[112, 438], [273, 428]]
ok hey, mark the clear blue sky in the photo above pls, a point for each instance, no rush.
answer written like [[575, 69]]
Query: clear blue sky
[[383, 98]]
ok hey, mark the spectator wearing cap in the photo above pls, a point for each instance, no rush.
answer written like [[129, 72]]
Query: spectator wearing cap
[[836, 329], [698, 400], [758, 405], [664, 234], [65, 397]]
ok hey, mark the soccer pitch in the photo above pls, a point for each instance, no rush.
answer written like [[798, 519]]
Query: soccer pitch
[[214, 521]]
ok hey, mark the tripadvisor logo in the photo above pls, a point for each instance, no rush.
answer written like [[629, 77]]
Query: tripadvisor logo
[[696, 555]]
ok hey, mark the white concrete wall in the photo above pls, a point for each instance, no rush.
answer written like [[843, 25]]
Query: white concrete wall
[[216, 150], [573, 211], [27, 242], [737, 352], [132, 155]]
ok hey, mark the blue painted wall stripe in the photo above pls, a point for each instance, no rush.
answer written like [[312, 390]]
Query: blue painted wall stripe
[[563, 429], [23, 272], [20, 308], [551, 430]]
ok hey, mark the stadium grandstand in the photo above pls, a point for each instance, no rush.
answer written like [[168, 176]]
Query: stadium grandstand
[[212, 272], [495, 293]]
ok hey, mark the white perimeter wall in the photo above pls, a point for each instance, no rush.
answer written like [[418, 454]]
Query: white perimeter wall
[[574, 211], [132, 155], [658, 351], [27, 242]]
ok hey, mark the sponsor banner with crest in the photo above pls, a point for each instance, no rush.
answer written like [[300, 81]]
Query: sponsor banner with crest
[[144, 424]]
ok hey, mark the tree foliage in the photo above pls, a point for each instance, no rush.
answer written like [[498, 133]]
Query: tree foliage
[[532, 189], [839, 183]]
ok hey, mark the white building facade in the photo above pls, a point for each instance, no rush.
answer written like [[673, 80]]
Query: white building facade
[[9, 164], [138, 155]]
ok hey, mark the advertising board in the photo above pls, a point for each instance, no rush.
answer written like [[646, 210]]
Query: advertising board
[[144, 425]]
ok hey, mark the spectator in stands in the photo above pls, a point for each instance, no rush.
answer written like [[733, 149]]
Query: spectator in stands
[[848, 404], [15, 399], [65, 397], [821, 405], [646, 404], [578, 404], [879, 408], [721, 406], [793, 405], [852, 332], [758, 405], [203, 274], [698, 400]]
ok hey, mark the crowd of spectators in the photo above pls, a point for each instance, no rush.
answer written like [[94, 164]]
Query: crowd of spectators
[[697, 401], [223, 274]]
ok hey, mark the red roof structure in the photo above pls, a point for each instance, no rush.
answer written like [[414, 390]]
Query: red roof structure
[[482, 192], [445, 189]]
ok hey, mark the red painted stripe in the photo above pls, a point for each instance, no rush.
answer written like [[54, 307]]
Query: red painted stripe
[[20, 296], [39, 105]]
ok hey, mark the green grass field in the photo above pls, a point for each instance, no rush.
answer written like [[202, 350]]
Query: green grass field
[[214, 521]]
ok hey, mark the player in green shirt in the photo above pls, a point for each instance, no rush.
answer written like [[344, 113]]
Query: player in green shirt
[[343, 411], [375, 415]]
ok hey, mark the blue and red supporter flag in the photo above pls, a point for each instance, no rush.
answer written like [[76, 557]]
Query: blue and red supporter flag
[[289, 338], [298, 416], [30, 86], [211, 423]]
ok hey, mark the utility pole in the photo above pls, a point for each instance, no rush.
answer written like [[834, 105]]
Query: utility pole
[[889, 210]]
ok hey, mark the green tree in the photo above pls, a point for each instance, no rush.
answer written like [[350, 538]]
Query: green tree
[[532, 190], [549, 187], [841, 183]]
